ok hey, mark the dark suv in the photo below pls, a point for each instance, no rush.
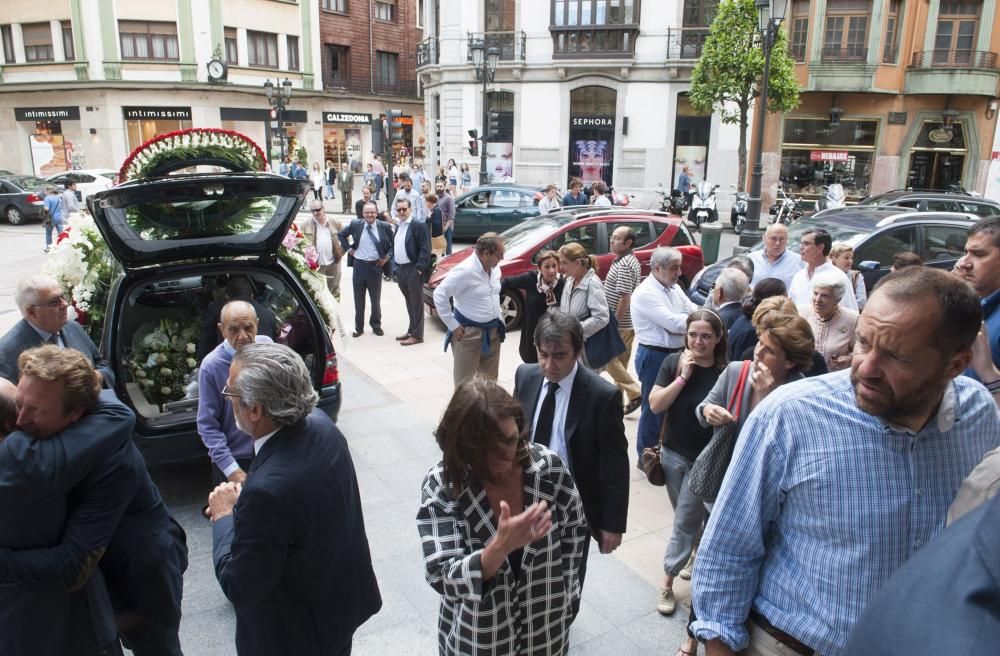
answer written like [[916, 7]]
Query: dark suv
[[936, 201], [186, 243], [877, 234]]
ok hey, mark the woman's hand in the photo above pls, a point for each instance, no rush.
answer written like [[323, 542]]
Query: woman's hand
[[761, 379], [716, 415], [982, 357], [523, 529], [685, 365]]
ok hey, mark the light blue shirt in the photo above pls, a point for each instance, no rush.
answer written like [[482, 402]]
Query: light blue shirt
[[367, 246], [823, 502], [784, 268], [558, 439]]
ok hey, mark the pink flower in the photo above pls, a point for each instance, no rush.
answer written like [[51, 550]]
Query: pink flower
[[290, 241], [312, 257]]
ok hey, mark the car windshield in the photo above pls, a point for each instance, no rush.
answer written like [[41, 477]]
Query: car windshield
[[27, 181], [204, 217], [524, 235], [881, 199], [851, 234]]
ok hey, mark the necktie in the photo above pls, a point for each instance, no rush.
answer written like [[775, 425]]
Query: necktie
[[371, 233], [54, 338], [543, 429]]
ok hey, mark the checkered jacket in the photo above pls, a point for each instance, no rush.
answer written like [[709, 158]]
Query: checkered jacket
[[530, 615]]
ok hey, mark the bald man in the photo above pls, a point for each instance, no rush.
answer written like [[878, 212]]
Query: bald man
[[230, 449]]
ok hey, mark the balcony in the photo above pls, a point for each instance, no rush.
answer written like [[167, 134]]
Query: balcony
[[593, 41], [968, 72], [362, 87], [428, 53], [510, 44], [849, 53], [685, 43]]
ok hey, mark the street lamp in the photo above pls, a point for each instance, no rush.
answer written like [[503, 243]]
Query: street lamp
[[485, 61], [278, 102], [770, 13]]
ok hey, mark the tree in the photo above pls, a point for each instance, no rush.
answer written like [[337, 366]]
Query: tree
[[730, 68]]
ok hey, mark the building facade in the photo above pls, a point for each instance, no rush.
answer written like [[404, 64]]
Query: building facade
[[594, 89], [83, 82]]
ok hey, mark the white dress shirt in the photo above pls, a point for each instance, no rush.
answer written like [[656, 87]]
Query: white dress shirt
[[784, 268], [476, 294], [602, 201], [418, 210], [558, 441], [800, 291], [367, 248], [324, 243], [259, 442], [547, 205], [659, 314], [399, 242]]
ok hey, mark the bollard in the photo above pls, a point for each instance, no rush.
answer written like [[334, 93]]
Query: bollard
[[711, 233]]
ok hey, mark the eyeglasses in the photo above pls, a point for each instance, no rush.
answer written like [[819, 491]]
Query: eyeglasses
[[58, 301], [318, 210], [229, 395]]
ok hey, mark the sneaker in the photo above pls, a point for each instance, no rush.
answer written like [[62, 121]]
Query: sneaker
[[686, 572], [48, 248], [666, 605]]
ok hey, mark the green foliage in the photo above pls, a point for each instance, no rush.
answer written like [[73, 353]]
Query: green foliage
[[303, 156]]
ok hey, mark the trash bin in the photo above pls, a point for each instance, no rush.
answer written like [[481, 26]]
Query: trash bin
[[711, 233]]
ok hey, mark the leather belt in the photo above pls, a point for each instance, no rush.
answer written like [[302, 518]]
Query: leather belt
[[661, 349], [792, 643]]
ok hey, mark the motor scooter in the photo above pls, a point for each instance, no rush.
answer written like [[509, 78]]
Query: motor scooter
[[738, 213], [619, 199], [834, 197], [703, 208]]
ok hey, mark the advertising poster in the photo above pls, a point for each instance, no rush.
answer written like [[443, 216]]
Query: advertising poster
[[48, 153], [694, 158], [352, 137], [591, 149], [500, 161]]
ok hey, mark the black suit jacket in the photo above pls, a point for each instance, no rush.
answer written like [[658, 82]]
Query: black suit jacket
[[595, 441], [417, 245], [350, 237], [22, 337], [730, 313], [293, 557]]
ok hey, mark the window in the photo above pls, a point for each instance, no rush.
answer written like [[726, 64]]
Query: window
[[420, 14], [699, 13], [37, 42], [882, 247], [67, 37], [594, 12], [585, 235], [800, 30], [388, 67], [8, 44], [146, 40], [339, 6], [500, 15], [890, 47], [293, 52], [232, 50], [586, 28], [642, 230], [337, 69], [943, 242], [956, 32], [385, 10], [262, 49], [506, 198], [979, 209], [846, 35]]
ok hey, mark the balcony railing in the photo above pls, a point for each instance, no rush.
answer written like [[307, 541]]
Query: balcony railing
[[427, 52], [401, 88], [849, 53], [685, 42], [889, 54], [510, 44], [593, 41], [954, 59]]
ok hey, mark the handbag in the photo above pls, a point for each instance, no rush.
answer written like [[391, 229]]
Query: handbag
[[705, 478], [649, 461], [604, 345]]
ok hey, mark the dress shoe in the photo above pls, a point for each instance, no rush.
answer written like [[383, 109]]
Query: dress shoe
[[666, 604], [633, 405], [410, 341], [378, 331], [403, 337], [357, 333]]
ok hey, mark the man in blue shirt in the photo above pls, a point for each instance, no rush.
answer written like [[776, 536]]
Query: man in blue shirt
[[775, 260], [54, 207], [837, 480], [575, 195], [980, 267]]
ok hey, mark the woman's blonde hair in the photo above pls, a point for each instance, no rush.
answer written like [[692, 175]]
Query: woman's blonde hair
[[778, 317], [574, 252], [838, 248]]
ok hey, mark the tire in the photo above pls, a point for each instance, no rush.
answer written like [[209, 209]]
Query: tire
[[511, 309], [733, 218], [15, 216], [738, 227]]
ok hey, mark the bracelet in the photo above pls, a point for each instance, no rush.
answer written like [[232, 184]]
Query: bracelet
[[680, 379], [993, 387]]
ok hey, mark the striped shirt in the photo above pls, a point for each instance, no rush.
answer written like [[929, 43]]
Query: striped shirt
[[823, 502], [624, 276]]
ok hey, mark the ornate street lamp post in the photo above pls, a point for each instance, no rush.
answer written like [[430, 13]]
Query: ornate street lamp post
[[484, 60], [278, 102], [770, 14]]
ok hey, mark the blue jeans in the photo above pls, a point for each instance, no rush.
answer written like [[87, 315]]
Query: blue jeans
[[58, 225], [647, 365], [447, 237]]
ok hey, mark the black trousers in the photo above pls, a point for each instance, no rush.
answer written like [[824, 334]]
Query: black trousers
[[412, 288], [367, 277]]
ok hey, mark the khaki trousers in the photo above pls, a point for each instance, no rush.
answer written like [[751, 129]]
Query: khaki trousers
[[469, 358], [332, 273], [618, 368], [764, 644]]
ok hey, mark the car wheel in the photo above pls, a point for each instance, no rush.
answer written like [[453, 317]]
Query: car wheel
[[511, 309], [15, 216]]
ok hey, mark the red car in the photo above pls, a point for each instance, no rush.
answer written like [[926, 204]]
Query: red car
[[591, 228]]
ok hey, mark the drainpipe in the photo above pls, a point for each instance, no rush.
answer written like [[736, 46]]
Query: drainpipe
[[371, 46]]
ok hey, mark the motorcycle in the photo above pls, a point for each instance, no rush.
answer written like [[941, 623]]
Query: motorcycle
[[703, 209], [786, 210], [738, 213], [834, 197], [677, 204], [619, 199]]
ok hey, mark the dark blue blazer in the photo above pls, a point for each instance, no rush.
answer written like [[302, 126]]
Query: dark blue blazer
[[417, 244], [350, 236], [293, 557], [23, 337], [730, 313], [944, 600]]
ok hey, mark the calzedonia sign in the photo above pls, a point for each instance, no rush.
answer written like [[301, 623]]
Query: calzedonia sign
[[592, 122], [156, 113], [46, 113], [347, 117]]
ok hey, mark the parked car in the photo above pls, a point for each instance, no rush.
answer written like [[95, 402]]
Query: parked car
[[22, 198], [591, 228], [936, 201], [877, 234], [183, 243], [494, 208], [88, 181]]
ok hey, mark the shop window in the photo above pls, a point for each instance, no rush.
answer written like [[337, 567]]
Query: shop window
[[956, 32], [815, 154], [37, 42], [385, 10], [883, 247], [609, 27], [799, 30], [845, 37], [67, 37], [691, 135], [500, 142], [890, 46], [337, 71], [262, 48], [232, 49], [293, 52], [593, 112], [339, 6], [148, 40], [7, 36]]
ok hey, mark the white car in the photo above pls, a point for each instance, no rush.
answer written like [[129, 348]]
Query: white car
[[88, 181]]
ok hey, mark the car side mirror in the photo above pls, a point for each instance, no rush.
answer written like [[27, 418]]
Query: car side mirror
[[869, 265]]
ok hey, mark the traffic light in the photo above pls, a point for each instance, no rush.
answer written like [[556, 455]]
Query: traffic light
[[474, 143], [494, 123], [395, 125]]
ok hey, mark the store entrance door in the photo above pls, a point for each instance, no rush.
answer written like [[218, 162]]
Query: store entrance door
[[936, 170]]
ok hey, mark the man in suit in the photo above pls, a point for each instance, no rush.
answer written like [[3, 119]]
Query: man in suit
[[113, 512], [412, 253], [290, 548], [345, 183], [45, 320], [368, 244], [579, 415], [727, 295]]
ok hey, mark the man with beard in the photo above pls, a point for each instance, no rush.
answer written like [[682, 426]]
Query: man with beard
[[837, 480]]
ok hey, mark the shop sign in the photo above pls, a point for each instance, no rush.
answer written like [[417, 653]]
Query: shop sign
[[349, 118], [156, 113], [897, 118], [592, 122], [46, 113], [828, 155], [940, 135]]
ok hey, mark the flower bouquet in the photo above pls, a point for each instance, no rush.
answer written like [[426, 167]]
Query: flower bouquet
[[303, 258], [162, 360]]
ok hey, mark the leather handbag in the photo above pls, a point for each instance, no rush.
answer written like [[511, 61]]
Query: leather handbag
[[649, 461], [705, 478], [604, 345]]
